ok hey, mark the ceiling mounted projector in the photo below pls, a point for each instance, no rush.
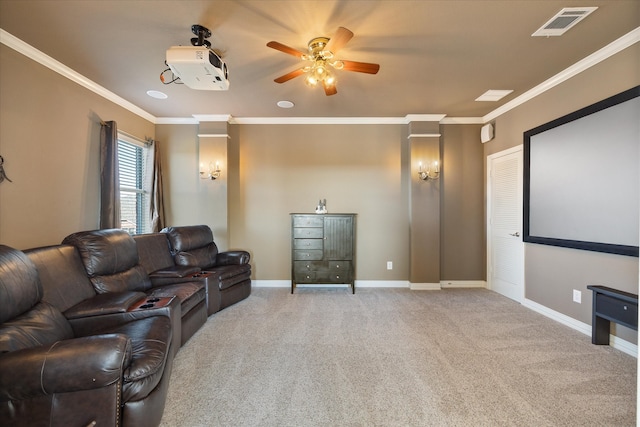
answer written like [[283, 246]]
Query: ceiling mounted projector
[[198, 66]]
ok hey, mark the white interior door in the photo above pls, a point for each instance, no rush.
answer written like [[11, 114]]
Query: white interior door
[[505, 251]]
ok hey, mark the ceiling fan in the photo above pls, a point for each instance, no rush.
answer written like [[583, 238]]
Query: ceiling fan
[[322, 61]]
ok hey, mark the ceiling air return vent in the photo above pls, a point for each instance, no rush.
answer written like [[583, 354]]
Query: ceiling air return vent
[[563, 20]]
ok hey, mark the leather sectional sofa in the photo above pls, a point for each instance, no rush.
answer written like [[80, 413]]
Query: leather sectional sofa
[[88, 331]]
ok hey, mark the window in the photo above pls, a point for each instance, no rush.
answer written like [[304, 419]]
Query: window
[[134, 196]]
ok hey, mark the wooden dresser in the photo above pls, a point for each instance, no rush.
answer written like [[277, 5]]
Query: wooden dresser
[[323, 249]]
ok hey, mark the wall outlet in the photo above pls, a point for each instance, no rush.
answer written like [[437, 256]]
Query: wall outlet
[[389, 265], [577, 296]]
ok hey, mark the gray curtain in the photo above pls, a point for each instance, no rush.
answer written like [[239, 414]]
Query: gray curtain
[[109, 177], [156, 202]]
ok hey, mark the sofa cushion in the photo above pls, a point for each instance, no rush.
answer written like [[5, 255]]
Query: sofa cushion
[[42, 324], [150, 342], [110, 258], [133, 279], [188, 237], [192, 245], [62, 274], [201, 257], [154, 252], [20, 287], [230, 275]]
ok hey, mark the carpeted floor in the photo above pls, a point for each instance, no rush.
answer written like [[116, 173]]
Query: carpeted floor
[[395, 357]]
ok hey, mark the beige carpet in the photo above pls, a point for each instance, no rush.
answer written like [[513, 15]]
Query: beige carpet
[[395, 357]]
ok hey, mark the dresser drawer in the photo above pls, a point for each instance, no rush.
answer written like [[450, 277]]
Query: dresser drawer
[[307, 244], [308, 221], [307, 232], [304, 266], [314, 254], [620, 311], [339, 277], [335, 267], [304, 277]]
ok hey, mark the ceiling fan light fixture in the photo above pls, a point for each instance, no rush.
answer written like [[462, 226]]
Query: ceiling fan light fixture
[[330, 80], [321, 61], [311, 80]]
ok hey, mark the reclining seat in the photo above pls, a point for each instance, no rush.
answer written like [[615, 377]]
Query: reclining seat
[[65, 286], [115, 376], [155, 256], [110, 258], [193, 245]]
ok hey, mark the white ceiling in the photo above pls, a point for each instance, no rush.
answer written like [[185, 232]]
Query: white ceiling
[[436, 57]]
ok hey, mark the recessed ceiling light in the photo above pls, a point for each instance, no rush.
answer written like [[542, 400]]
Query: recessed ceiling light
[[157, 94], [285, 104], [493, 95]]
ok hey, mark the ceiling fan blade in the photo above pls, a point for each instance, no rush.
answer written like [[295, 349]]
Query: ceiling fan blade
[[285, 49], [329, 89], [361, 67], [289, 76], [340, 38]]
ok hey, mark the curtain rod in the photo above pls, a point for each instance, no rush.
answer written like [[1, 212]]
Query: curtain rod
[[146, 140]]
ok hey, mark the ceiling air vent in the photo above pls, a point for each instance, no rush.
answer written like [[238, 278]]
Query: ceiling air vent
[[563, 20]]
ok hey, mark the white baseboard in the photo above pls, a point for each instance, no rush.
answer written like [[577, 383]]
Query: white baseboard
[[359, 284], [425, 286], [271, 283], [382, 284], [386, 284], [463, 284], [615, 342]]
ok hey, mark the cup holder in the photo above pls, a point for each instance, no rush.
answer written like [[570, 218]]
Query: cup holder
[[153, 300], [147, 305]]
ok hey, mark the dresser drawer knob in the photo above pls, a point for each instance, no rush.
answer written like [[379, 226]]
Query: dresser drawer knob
[[625, 307]]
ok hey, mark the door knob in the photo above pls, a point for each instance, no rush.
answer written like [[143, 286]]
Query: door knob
[[516, 234]]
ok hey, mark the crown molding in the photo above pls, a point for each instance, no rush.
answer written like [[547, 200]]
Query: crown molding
[[462, 121], [176, 121], [213, 118], [31, 52], [424, 135], [595, 58], [611, 49], [424, 118], [316, 120], [214, 135]]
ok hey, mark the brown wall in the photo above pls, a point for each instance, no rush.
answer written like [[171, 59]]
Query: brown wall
[[552, 273], [463, 222], [287, 168], [49, 138], [274, 170]]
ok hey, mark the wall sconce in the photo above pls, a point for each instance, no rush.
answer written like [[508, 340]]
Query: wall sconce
[[211, 174], [427, 174]]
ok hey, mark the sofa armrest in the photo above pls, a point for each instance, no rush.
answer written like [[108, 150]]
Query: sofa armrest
[[175, 274], [232, 257], [103, 304], [178, 271], [64, 366]]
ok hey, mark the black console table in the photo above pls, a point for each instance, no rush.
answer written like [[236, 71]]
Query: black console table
[[611, 305]]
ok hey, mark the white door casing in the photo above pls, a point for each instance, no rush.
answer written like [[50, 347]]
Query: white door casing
[[505, 249]]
